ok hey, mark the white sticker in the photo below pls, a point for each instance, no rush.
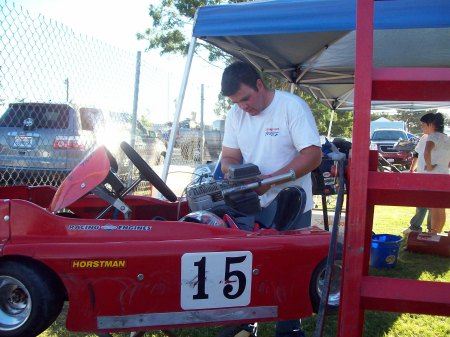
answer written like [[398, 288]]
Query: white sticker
[[216, 280]]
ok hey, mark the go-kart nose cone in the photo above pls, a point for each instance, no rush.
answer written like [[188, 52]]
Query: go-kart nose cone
[[88, 174]]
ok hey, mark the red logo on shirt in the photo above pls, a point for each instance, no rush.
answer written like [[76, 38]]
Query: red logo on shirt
[[272, 132]]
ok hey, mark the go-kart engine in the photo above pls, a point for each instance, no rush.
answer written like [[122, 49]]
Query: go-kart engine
[[204, 196], [237, 192]]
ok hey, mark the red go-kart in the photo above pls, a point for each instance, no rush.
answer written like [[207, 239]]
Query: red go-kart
[[128, 263]]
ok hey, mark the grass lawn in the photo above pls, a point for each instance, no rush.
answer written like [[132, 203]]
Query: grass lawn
[[387, 220]]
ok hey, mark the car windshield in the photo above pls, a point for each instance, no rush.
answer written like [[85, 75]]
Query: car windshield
[[389, 135], [41, 116]]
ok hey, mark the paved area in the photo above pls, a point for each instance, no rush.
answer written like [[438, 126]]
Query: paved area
[[318, 219], [178, 178]]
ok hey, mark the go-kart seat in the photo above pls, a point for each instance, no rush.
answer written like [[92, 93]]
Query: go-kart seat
[[285, 210]]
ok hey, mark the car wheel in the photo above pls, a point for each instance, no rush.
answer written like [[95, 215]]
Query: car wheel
[[30, 299]]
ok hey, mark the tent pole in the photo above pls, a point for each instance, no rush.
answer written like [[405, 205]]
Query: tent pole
[[331, 123], [176, 118]]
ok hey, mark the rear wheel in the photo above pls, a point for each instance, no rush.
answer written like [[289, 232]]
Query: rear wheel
[[316, 285], [30, 299]]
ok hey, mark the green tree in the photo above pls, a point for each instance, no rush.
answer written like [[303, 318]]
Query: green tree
[[146, 122], [342, 124], [172, 22], [410, 117], [222, 106]]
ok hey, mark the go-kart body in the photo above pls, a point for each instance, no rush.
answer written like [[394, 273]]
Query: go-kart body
[[141, 274]]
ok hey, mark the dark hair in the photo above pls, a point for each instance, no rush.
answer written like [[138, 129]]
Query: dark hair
[[236, 74], [437, 119]]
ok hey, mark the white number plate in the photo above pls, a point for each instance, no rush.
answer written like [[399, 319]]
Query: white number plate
[[23, 142], [216, 280]]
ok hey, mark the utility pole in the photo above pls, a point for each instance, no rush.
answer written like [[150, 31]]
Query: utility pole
[[202, 123], [66, 82]]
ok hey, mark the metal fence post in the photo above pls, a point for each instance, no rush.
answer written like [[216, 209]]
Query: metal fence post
[[135, 108]]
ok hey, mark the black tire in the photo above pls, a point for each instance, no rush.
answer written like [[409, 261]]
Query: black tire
[[31, 298], [317, 280], [147, 172]]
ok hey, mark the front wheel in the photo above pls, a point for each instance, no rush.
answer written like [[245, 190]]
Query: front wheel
[[30, 299]]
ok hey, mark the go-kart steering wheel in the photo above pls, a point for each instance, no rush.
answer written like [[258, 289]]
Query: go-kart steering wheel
[[147, 172]]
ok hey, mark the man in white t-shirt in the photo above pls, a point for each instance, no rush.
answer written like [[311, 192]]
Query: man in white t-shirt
[[272, 129], [276, 131]]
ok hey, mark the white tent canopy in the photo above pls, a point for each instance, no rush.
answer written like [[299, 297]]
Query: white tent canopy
[[311, 43]]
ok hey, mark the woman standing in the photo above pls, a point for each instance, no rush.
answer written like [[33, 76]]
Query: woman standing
[[434, 157]]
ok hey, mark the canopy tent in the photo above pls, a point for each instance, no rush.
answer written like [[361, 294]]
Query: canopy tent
[[311, 43]]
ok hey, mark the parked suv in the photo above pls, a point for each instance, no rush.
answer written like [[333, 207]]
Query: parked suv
[[42, 142], [385, 141]]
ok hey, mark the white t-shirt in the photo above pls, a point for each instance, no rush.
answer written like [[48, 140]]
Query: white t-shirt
[[420, 149], [273, 138], [440, 155]]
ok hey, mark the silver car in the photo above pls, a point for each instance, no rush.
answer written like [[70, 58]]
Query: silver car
[[42, 142]]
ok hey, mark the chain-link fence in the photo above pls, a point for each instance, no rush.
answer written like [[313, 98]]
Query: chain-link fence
[[63, 93]]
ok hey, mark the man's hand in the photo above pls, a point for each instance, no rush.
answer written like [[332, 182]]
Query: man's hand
[[230, 157]]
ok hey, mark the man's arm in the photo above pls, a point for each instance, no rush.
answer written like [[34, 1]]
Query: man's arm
[[230, 157], [306, 161]]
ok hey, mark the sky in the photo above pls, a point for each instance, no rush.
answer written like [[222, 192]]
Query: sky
[[116, 22], [113, 21]]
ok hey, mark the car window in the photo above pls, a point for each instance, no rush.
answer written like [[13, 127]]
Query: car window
[[39, 116], [389, 135]]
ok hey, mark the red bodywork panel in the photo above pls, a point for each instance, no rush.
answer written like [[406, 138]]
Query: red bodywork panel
[[117, 270], [88, 174], [140, 274]]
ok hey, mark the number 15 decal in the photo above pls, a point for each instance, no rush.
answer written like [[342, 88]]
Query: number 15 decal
[[216, 280]]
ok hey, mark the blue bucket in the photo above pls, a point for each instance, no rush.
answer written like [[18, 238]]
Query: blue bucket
[[384, 250]]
